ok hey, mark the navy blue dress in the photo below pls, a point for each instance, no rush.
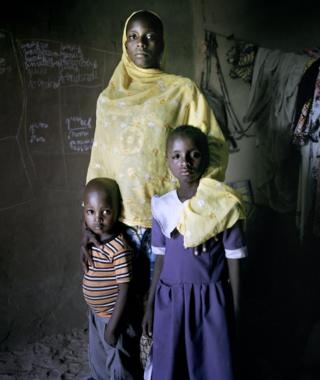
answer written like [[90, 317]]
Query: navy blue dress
[[191, 335]]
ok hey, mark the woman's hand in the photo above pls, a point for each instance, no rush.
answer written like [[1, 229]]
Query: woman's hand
[[88, 239], [147, 322], [110, 336]]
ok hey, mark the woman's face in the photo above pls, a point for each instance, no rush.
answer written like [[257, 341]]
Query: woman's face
[[144, 43]]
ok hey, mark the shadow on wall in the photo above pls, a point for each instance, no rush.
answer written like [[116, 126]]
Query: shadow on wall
[[280, 337]]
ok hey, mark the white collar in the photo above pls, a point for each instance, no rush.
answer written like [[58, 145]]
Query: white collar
[[166, 210]]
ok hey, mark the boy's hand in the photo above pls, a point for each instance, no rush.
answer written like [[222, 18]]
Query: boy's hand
[[147, 322], [110, 336]]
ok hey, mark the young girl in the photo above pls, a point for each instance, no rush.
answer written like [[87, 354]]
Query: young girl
[[191, 236]]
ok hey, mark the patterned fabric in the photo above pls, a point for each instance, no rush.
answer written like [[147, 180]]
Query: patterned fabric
[[134, 116], [241, 56], [314, 116], [145, 349], [111, 267], [215, 208], [306, 123], [139, 239], [316, 218], [301, 133]]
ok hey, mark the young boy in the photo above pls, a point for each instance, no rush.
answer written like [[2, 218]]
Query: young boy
[[113, 343]]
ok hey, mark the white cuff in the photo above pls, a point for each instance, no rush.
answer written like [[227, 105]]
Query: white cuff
[[239, 253], [158, 250]]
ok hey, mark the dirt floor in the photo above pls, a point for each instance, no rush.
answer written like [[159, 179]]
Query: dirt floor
[[64, 357], [56, 357]]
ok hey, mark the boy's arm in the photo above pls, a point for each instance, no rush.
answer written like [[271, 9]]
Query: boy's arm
[[112, 330], [147, 323]]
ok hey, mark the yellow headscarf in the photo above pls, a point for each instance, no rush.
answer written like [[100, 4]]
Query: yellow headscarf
[[134, 115]]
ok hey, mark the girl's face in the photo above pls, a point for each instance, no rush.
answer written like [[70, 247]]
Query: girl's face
[[185, 159], [144, 43]]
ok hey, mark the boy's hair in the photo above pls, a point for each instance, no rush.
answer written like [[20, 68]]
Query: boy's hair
[[108, 185], [194, 134]]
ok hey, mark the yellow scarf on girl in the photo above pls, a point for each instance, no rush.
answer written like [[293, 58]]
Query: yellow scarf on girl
[[215, 208], [134, 116]]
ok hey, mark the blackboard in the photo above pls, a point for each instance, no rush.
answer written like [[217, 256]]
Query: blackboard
[[48, 95]]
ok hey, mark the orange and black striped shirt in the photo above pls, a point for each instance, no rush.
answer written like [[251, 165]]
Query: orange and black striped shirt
[[112, 266]]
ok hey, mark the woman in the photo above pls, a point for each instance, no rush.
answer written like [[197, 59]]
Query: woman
[[135, 114]]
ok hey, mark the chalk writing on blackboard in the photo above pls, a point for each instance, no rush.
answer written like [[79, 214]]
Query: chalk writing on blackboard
[[4, 67], [79, 136], [52, 64], [35, 133]]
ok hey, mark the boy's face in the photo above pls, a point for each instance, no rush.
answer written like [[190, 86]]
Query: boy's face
[[100, 213], [185, 159]]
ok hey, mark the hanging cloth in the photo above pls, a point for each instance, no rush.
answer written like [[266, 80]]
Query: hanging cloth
[[271, 107], [305, 126]]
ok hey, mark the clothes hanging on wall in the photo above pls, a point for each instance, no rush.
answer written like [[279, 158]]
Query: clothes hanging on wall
[[316, 214], [271, 107], [239, 130], [308, 203], [242, 56], [306, 122], [306, 133], [216, 102]]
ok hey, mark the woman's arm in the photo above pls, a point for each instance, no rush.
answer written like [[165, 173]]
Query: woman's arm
[[147, 323], [200, 115], [112, 330]]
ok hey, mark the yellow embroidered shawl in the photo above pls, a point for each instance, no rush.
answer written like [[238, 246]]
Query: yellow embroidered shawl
[[134, 115], [215, 208]]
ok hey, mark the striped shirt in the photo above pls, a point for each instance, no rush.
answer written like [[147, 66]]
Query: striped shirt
[[112, 266]]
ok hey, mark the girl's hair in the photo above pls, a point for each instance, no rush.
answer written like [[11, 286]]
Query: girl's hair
[[196, 135], [151, 17]]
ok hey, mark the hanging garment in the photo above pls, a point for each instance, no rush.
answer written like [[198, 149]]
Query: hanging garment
[[316, 215], [313, 122], [305, 123], [271, 106], [241, 56], [308, 204]]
